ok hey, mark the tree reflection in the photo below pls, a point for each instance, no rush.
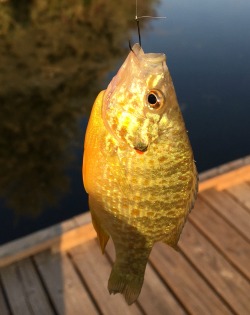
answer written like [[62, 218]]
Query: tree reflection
[[54, 56]]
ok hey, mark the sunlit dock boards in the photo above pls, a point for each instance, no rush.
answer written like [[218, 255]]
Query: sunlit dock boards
[[61, 271]]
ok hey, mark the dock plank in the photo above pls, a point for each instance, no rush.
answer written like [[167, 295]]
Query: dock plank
[[63, 284], [59, 236], [3, 305], [155, 297], [232, 211], [227, 178], [242, 193], [222, 235], [222, 276], [95, 269], [14, 290], [34, 292], [190, 288]]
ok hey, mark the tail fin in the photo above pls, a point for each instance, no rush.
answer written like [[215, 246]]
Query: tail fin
[[127, 284]]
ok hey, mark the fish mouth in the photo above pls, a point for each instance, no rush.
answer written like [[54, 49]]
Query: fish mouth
[[141, 147]]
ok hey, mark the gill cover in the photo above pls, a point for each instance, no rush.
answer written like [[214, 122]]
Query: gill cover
[[137, 98]]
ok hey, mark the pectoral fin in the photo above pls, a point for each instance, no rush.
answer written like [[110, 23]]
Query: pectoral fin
[[103, 237]]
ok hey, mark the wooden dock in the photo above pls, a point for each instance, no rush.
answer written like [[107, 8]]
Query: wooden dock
[[61, 271]]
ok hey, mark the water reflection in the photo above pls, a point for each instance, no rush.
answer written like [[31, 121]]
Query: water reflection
[[54, 56]]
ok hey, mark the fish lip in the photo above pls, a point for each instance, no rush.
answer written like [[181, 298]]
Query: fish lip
[[141, 147], [155, 57]]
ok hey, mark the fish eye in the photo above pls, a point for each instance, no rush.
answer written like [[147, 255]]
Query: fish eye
[[154, 99]]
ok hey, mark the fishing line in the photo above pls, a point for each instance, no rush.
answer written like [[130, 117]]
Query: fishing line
[[137, 19]]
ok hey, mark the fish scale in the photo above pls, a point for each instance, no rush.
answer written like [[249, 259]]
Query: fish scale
[[138, 197]]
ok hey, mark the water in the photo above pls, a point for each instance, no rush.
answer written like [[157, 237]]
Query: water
[[54, 59]]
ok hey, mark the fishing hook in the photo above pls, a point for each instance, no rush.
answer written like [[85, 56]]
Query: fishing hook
[[138, 29], [139, 35], [138, 23], [130, 47]]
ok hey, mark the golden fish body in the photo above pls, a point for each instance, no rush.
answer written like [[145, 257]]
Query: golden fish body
[[138, 167]]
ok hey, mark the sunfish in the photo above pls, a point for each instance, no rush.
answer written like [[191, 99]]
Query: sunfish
[[138, 167]]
